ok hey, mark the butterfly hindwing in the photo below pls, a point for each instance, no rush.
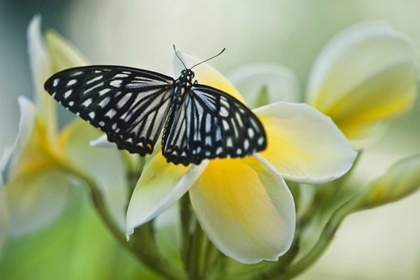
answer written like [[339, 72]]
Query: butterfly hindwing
[[211, 124], [130, 105]]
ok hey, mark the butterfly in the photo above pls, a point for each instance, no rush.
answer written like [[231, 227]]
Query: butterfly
[[132, 106]]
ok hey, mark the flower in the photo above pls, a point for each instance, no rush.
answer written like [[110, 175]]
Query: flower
[[363, 77], [244, 205], [37, 174], [400, 180]]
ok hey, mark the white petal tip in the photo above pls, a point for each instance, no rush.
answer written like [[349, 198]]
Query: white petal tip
[[128, 233], [101, 142]]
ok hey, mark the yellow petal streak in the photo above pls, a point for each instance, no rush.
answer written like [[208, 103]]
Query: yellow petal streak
[[386, 94], [303, 144], [367, 74], [41, 152], [245, 209], [156, 189]]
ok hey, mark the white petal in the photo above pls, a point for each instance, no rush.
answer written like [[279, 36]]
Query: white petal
[[36, 201], [102, 142], [168, 232], [27, 120], [160, 186], [41, 71], [304, 145], [365, 75], [245, 209], [400, 180], [281, 82], [104, 165], [63, 53]]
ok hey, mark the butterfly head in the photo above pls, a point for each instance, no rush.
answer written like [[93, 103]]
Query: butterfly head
[[186, 79], [187, 75]]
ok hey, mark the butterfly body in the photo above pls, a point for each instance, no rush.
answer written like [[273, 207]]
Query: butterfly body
[[132, 106]]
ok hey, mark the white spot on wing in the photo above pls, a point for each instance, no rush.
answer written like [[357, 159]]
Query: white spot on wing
[[225, 125], [68, 93], [87, 102], [229, 142], [116, 83], [124, 100], [224, 112], [246, 144], [104, 101], [92, 88], [103, 91], [111, 113], [72, 82], [56, 81], [97, 78], [121, 75], [208, 141], [78, 73]]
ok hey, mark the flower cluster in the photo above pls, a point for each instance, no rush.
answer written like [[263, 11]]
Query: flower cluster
[[250, 209]]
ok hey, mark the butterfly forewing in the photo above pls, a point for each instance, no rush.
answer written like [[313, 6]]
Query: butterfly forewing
[[211, 124], [130, 105]]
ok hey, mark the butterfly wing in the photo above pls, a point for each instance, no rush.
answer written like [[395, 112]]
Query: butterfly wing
[[130, 105], [211, 124]]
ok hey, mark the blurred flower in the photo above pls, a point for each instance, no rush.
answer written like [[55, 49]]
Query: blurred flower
[[37, 173], [243, 205], [364, 76], [264, 83], [400, 180]]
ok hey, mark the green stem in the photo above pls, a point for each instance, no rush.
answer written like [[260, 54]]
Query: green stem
[[145, 246], [185, 227], [324, 240], [196, 256], [325, 195], [210, 258], [276, 268], [145, 249]]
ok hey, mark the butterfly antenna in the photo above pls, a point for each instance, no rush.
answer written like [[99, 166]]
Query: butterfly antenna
[[214, 56], [176, 53]]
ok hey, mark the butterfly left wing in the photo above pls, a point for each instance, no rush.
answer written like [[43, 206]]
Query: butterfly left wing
[[130, 105], [211, 124]]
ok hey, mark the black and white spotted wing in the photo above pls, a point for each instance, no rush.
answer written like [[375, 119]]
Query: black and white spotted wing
[[130, 105], [208, 124]]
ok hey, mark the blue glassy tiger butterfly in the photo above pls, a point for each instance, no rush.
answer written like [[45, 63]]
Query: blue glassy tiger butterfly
[[132, 106]]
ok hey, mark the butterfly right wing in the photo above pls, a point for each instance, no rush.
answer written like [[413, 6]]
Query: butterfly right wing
[[130, 105]]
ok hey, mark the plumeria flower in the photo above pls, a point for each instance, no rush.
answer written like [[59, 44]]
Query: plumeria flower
[[363, 77], [37, 174], [244, 205], [399, 181]]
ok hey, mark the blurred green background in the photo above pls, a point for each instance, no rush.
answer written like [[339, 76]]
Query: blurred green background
[[383, 243]]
